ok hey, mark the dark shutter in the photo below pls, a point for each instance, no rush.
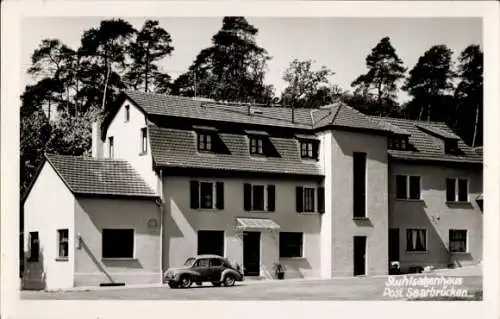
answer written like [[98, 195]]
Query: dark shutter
[[195, 194], [299, 199], [401, 190], [247, 197], [450, 189], [321, 200], [316, 150], [219, 193], [271, 196]]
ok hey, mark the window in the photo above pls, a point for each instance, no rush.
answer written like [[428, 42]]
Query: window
[[397, 143], [202, 263], [407, 187], [117, 243], [359, 184], [308, 149], [111, 147], [211, 242], [290, 245], [256, 145], [34, 247], [255, 199], [207, 195], [450, 146], [216, 262], [305, 199], [416, 239], [204, 142], [127, 113], [144, 141], [457, 190], [62, 235], [458, 240]]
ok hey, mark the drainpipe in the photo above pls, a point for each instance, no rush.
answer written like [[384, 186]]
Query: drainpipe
[[162, 211]]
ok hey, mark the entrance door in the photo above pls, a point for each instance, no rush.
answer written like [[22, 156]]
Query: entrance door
[[359, 255], [251, 253], [394, 244]]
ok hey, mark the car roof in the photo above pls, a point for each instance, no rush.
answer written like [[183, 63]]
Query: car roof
[[209, 256]]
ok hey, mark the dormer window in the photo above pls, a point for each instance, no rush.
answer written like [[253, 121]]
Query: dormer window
[[306, 149], [256, 145], [450, 146], [204, 142], [399, 143]]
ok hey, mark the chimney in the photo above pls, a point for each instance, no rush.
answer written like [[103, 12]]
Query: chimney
[[96, 140]]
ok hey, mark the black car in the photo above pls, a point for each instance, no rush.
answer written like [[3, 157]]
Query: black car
[[203, 268]]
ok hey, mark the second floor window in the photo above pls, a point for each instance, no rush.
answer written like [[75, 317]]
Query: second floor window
[[259, 197], [407, 187], [207, 195], [111, 142], [204, 142], [144, 140], [305, 199], [457, 190], [256, 145]]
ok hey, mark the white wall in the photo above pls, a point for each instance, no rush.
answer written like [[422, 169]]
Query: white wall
[[182, 224], [50, 206], [127, 143]]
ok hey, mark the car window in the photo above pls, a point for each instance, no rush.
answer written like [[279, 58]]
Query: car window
[[215, 262], [202, 263]]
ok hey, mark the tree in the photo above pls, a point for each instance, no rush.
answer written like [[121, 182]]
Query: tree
[[306, 87], [385, 69], [469, 95], [151, 44], [232, 68], [104, 52], [430, 79]]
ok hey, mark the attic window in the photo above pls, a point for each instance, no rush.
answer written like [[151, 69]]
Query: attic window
[[205, 142], [450, 146], [127, 113], [144, 141], [309, 149], [399, 143], [257, 145]]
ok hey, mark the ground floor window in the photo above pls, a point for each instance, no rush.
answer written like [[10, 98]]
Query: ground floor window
[[211, 242], [291, 244], [458, 240], [416, 239], [117, 243], [62, 235]]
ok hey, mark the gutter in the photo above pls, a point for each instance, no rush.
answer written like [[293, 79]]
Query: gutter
[[162, 212]]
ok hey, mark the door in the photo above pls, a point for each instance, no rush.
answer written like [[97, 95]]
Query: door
[[393, 244], [359, 255], [216, 267], [201, 267], [251, 253]]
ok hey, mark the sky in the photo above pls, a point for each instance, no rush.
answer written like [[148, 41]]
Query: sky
[[341, 44]]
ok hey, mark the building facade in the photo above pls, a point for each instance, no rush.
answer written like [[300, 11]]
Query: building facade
[[325, 192]]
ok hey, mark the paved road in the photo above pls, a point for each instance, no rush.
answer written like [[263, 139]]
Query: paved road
[[334, 289]]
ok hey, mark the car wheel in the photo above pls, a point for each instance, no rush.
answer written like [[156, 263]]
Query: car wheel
[[185, 281], [173, 284], [229, 280], [216, 283]]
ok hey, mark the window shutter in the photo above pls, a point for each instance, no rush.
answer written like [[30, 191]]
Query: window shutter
[[316, 150], [195, 194], [219, 193], [247, 196], [299, 199], [321, 200], [271, 198], [450, 189]]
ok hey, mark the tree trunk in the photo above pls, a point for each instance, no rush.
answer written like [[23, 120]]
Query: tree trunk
[[421, 113], [475, 127], [146, 71], [108, 67]]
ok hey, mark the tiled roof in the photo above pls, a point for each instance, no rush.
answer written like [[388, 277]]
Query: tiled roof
[[177, 148], [428, 146], [90, 176], [444, 133], [336, 114]]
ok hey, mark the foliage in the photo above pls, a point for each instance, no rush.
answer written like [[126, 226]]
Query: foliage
[[233, 68], [429, 81], [385, 69]]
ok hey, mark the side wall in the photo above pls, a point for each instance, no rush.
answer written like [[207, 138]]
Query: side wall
[[127, 143], [49, 207], [375, 226], [92, 215], [182, 224], [436, 216]]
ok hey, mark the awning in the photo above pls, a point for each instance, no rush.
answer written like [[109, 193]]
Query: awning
[[306, 137], [256, 223], [204, 128], [252, 132], [480, 197]]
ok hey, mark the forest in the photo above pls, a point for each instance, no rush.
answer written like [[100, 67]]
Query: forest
[[72, 87]]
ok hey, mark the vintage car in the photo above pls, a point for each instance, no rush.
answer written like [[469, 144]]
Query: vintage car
[[203, 268]]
